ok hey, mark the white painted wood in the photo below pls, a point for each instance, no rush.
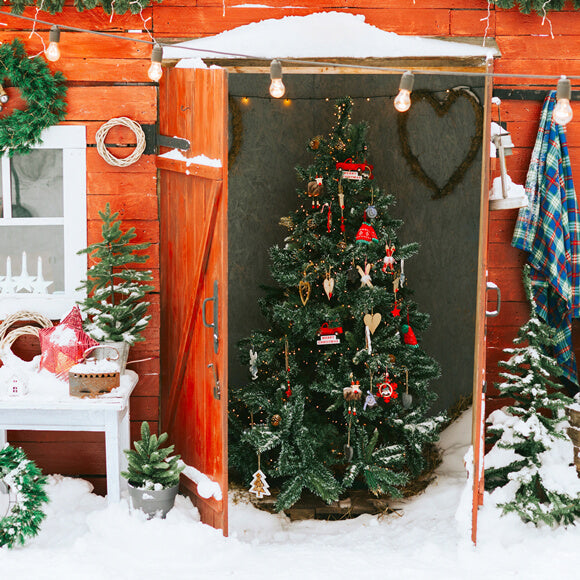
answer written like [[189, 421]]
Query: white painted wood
[[6, 193], [108, 413], [71, 139]]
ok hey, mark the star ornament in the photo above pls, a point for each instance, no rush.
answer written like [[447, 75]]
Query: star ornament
[[396, 311], [64, 345]]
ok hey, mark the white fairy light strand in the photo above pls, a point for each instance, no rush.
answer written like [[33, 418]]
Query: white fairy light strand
[[296, 61]]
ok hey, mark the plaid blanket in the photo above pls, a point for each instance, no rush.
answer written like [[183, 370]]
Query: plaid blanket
[[549, 229]]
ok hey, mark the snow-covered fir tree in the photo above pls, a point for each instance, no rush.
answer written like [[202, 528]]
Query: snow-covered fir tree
[[341, 395], [114, 304], [530, 466]]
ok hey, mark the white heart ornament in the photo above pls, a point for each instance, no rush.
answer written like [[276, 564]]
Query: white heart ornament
[[328, 284]]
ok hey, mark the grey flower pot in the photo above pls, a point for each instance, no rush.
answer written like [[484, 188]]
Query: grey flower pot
[[117, 348], [152, 502]]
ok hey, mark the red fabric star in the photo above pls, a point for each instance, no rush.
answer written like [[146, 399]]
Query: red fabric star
[[396, 311], [62, 346]]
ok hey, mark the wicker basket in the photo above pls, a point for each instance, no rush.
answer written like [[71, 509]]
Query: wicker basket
[[92, 384]]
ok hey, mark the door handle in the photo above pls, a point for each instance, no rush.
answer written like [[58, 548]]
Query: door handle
[[491, 313], [213, 324]]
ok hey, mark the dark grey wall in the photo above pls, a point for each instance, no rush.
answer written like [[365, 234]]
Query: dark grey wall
[[262, 188]]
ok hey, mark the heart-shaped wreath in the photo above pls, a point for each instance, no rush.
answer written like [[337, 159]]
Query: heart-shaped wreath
[[44, 95], [442, 108]]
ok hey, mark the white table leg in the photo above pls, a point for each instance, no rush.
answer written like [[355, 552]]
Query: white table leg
[[124, 442], [3, 438], [113, 459]]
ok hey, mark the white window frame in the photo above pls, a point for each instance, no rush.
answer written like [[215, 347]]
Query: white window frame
[[71, 139]]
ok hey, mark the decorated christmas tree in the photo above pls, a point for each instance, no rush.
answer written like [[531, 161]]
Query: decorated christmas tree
[[114, 304], [339, 393], [531, 462]]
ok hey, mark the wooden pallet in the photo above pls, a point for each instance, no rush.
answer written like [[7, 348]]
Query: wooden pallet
[[310, 507]]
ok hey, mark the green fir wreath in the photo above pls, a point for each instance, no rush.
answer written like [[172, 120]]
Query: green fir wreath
[[44, 95], [24, 482]]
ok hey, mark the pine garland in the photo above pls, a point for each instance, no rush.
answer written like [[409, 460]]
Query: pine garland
[[109, 6], [43, 91], [540, 7], [25, 481]]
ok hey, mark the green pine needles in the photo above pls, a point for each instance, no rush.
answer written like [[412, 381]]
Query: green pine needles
[[24, 483], [109, 6], [150, 465], [43, 92], [319, 414], [530, 466], [540, 7], [114, 304]]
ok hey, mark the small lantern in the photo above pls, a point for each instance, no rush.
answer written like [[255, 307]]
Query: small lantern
[[504, 146], [502, 141]]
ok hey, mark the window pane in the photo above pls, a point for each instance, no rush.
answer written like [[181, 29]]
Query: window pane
[[46, 243], [37, 184]]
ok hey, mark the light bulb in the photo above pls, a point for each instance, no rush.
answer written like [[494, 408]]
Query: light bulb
[[52, 51], [562, 110], [155, 71], [403, 99], [277, 88]]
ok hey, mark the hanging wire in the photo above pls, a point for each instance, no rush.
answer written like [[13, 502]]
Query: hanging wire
[[296, 61]]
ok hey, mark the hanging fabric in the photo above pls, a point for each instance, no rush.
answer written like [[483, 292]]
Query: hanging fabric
[[549, 229]]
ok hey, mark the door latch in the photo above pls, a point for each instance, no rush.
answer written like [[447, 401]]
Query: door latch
[[216, 382]]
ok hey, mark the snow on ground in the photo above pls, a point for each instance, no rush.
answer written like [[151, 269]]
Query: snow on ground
[[84, 538]]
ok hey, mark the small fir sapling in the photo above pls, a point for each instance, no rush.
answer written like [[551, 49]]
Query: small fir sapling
[[114, 305], [529, 469], [150, 466]]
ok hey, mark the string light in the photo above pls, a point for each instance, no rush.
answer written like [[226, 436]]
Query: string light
[[358, 66], [403, 99], [155, 71], [52, 51], [277, 88], [563, 111]]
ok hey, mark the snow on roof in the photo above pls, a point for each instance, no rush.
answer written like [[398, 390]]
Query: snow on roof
[[319, 35]]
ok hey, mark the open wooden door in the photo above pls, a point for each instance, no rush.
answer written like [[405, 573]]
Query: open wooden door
[[194, 265], [479, 380]]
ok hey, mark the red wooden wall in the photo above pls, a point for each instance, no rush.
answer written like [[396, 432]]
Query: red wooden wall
[[108, 78]]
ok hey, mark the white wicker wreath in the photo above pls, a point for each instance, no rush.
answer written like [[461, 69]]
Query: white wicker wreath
[[107, 155]]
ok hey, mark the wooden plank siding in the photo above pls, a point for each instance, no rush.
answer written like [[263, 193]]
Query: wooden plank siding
[[108, 78]]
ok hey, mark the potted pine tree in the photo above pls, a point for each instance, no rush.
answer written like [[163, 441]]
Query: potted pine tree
[[115, 309], [152, 473]]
